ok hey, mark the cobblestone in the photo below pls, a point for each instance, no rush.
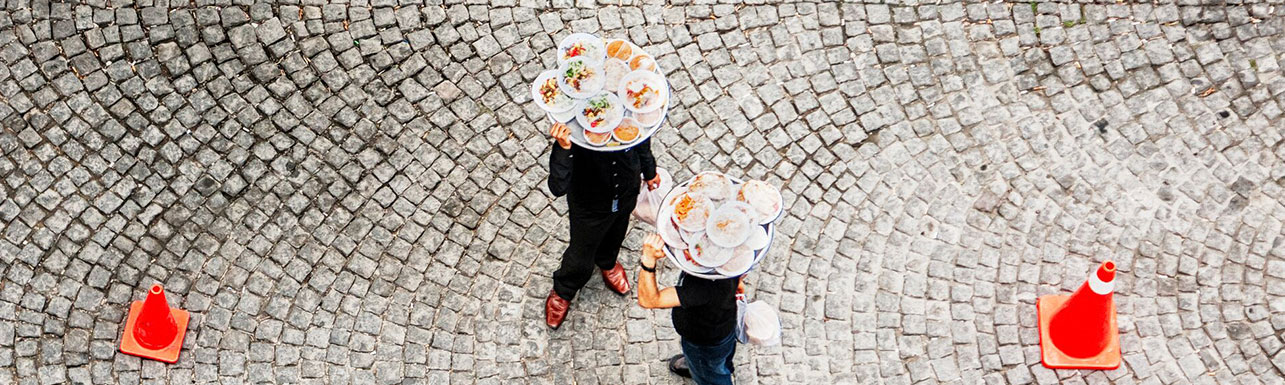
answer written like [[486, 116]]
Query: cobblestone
[[353, 193]]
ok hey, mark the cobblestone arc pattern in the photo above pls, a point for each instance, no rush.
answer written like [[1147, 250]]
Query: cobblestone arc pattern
[[353, 193]]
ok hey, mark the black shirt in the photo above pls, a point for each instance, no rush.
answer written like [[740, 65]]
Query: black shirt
[[592, 179], [706, 312]]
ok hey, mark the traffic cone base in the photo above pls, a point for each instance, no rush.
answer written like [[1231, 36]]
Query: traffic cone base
[[130, 345], [1108, 359]]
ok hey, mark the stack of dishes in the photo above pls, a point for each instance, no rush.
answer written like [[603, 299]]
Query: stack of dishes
[[716, 226], [609, 92]]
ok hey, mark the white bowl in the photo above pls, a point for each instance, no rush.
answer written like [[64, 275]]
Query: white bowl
[[650, 119], [627, 122]]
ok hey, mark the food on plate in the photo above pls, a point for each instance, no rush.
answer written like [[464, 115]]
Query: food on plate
[[691, 211], [620, 49], [643, 91], [740, 262], [707, 254], [648, 119], [669, 231], [688, 236], [763, 197], [581, 77], [728, 226], [690, 264], [712, 185], [643, 62], [549, 91], [549, 96], [640, 94], [627, 131], [758, 238], [598, 111], [674, 195], [614, 70], [597, 138], [581, 46], [575, 50]]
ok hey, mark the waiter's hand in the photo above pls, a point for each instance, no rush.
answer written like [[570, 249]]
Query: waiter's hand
[[562, 135], [654, 182], [651, 252]]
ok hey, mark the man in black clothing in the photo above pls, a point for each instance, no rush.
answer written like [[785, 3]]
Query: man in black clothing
[[601, 189], [704, 316]]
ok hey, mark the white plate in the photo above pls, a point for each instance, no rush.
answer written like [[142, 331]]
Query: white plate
[[758, 238], [561, 103], [736, 226], [689, 237], [590, 86], [668, 231], [596, 49], [695, 225], [615, 70], [636, 81], [707, 254], [740, 263], [565, 116], [614, 113], [714, 185], [764, 217], [689, 266]]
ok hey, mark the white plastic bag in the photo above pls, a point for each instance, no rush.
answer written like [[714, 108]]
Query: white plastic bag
[[649, 200], [740, 319], [761, 324]]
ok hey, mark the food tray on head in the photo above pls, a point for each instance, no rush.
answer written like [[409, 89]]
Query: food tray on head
[[648, 119], [691, 267]]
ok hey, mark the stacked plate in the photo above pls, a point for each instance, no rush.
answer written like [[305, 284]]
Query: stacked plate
[[610, 92], [716, 226]]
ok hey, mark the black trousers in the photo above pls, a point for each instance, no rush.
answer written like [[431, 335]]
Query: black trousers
[[596, 235]]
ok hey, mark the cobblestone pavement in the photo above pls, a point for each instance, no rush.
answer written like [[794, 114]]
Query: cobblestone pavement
[[354, 193]]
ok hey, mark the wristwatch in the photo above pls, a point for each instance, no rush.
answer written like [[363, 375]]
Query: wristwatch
[[647, 269]]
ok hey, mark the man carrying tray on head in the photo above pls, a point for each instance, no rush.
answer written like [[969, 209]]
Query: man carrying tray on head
[[601, 189], [704, 316]]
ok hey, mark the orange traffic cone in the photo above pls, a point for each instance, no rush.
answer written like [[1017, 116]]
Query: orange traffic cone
[[1079, 331], [153, 330]]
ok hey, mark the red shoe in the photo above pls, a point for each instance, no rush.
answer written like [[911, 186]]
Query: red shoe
[[555, 310], [616, 280]]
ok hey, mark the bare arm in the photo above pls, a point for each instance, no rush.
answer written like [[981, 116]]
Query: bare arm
[[649, 294]]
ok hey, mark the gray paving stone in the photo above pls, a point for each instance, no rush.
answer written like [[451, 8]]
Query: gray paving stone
[[298, 177]]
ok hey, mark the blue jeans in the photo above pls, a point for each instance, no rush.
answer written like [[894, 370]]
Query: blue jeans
[[711, 364]]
